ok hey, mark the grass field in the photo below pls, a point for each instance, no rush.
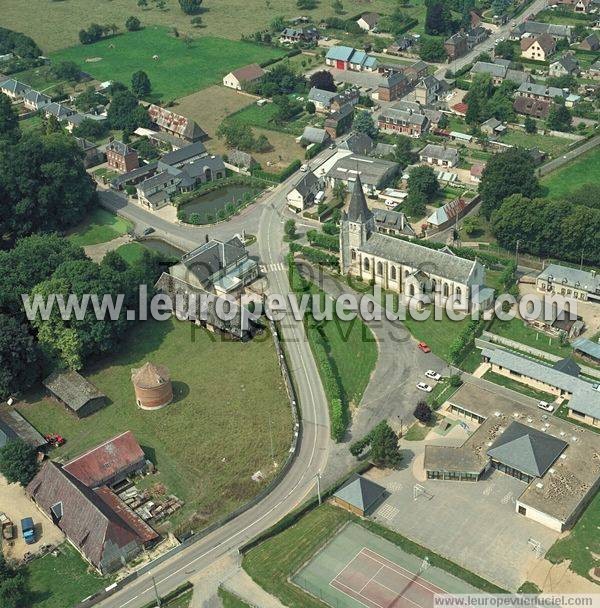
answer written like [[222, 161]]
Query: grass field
[[272, 562], [180, 70], [215, 435], [101, 226], [582, 544], [573, 175], [518, 387], [230, 600], [56, 582], [554, 146], [263, 117]]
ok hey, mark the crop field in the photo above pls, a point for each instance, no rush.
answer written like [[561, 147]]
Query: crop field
[[181, 67], [213, 437]]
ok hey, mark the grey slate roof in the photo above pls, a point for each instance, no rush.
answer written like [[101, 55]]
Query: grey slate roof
[[372, 170], [572, 277], [587, 347], [71, 388], [119, 147], [13, 426], [357, 142], [314, 135], [416, 256], [358, 210], [14, 86], [183, 154], [527, 449], [382, 149], [493, 69], [535, 27], [440, 152], [569, 63], [212, 257], [37, 98], [567, 366], [360, 492], [321, 96], [403, 117], [393, 220], [306, 183], [541, 90]]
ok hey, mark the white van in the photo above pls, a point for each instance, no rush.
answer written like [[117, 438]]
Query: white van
[[390, 203]]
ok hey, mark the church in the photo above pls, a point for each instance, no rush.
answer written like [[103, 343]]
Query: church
[[406, 268]]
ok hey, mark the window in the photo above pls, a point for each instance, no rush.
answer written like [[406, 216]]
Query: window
[[379, 268], [353, 254], [411, 290], [393, 273], [366, 264], [446, 290]]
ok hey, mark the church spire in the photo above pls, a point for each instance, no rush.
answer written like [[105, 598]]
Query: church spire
[[358, 211]]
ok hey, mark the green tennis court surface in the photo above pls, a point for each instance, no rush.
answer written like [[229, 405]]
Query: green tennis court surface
[[358, 568]]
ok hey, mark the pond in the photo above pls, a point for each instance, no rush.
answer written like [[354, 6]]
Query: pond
[[162, 247], [211, 203]]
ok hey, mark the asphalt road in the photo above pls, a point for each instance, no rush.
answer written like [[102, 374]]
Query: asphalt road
[[300, 481]]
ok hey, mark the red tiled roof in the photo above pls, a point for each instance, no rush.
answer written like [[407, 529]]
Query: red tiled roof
[[102, 463], [460, 108], [248, 73], [477, 170]]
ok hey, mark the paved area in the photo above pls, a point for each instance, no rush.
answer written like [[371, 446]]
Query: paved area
[[97, 252], [15, 503], [472, 523]]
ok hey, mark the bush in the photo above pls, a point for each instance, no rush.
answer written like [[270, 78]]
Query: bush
[[464, 341], [325, 241], [133, 24], [423, 412]]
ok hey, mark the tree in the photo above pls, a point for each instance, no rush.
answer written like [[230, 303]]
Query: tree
[[323, 80], [9, 119], [190, 7], [559, 118], [13, 588], [18, 462], [423, 413], [437, 20], [415, 204], [133, 24], [142, 3], [290, 229], [92, 34], [363, 123], [19, 357], [384, 446], [140, 84], [125, 112], [339, 191], [92, 129], [338, 7], [505, 49], [277, 24], [530, 125], [422, 179], [67, 70], [506, 173], [310, 107], [443, 121], [403, 153], [432, 49]]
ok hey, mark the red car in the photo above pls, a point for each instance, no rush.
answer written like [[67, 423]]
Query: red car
[[422, 346]]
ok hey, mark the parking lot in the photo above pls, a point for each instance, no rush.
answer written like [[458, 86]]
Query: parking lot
[[15, 503], [471, 523]]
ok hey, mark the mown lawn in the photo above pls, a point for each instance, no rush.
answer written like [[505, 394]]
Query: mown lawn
[[264, 117], [582, 545], [100, 227], [574, 175], [57, 582], [180, 69], [548, 143], [229, 400], [230, 600], [518, 387]]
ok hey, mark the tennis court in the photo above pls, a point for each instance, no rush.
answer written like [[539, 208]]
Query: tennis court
[[378, 582], [359, 569]]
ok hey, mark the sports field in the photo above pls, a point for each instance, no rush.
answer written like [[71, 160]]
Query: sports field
[[180, 68], [358, 568]]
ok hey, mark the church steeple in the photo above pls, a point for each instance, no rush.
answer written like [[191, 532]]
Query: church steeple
[[358, 210]]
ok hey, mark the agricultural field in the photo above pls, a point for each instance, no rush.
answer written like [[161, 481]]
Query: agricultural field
[[180, 68], [573, 175], [63, 20], [214, 436]]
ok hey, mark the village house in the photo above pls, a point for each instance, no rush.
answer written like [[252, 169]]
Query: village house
[[101, 527], [368, 21], [476, 35], [34, 100], [565, 66], [292, 35], [583, 6], [239, 79], [58, 110], [400, 45], [375, 174], [14, 89], [403, 266], [441, 156], [321, 98], [536, 108], [590, 43], [91, 153], [535, 28], [417, 70], [392, 222], [409, 123], [303, 192], [347, 97], [348, 58], [500, 73], [542, 92], [456, 46], [538, 48], [314, 135], [339, 121], [76, 393], [358, 143], [569, 282], [493, 127], [429, 90], [432, 115], [175, 124], [121, 157], [392, 86]]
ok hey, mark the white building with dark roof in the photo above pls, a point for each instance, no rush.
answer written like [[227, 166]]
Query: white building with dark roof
[[569, 282]]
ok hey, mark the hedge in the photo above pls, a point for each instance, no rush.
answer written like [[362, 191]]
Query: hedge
[[316, 256], [326, 241], [462, 344], [278, 177]]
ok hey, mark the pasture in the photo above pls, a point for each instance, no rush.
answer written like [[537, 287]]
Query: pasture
[[179, 69]]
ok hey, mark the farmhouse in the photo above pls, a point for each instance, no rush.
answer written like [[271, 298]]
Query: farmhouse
[[429, 90], [393, 120], [569, 282], [239, 79], [103, 529], [370, 173], [14, 89], [14, 426], [535, 28], [75, 392], [359, 495], [538, 48], [348, 58], [405, 267], [34, 100], [500, 73], [439, 155], [121, 157], [339, 121], [108, 463], [175, 124], [584, 400], [546, 453], [314, 135], [368, 21], [565, 66], [291, 35], [456, 45], [303, 192]]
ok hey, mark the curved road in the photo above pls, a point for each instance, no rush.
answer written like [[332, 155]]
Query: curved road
[[299, 482]]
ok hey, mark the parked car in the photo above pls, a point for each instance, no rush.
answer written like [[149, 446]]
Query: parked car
[[433, 375], [7, 527], [148, 231], [544, 405], [304, 168], [596, 387], [28, 530], [424, 387], [423, 346]]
